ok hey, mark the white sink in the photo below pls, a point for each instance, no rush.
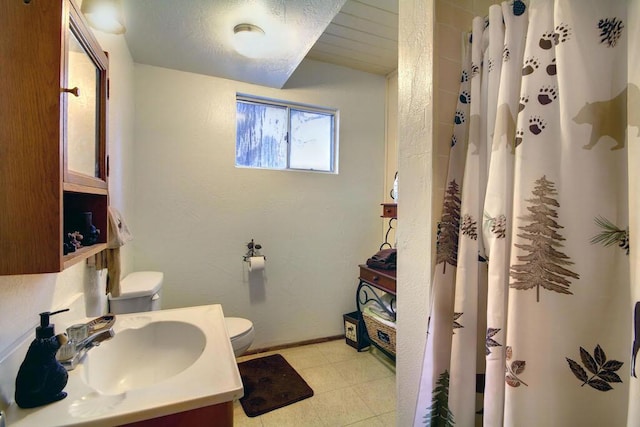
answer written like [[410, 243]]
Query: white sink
[[138, 358], [158, 363]]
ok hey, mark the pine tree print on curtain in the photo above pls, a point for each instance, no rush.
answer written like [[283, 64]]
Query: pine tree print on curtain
[[438, 414], [543, 265], [447, 240]]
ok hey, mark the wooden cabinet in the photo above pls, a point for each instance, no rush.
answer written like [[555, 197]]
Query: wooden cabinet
[[220, 415], [40, 190]]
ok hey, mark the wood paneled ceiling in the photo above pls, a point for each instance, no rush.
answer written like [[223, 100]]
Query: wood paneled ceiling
[[363, 36]]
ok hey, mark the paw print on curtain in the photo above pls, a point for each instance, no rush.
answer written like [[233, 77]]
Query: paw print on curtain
[[539, 72], [561, 34]]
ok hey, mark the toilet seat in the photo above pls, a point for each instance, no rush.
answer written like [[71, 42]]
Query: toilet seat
[[238, 327]]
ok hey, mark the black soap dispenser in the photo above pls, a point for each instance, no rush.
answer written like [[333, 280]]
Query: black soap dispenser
[[41, 377]]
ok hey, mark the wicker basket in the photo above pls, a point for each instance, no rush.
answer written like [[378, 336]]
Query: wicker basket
[[382, 332]]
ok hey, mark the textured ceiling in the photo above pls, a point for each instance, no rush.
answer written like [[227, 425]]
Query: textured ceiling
[[196, 35]]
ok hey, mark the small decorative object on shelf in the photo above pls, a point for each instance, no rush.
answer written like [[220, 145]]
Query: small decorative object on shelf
[[72, 241], [89, 231]]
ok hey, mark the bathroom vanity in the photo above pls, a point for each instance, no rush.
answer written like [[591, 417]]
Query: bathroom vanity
[[53, 135], [167, 367]]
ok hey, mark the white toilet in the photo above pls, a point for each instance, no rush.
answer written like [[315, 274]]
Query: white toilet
[[142, 291], [241, 332]]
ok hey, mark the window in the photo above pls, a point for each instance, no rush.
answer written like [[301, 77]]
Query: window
[[280, 135]]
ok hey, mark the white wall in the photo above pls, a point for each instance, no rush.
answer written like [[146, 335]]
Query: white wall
[[195, 211], [415, 165], [23, 297]]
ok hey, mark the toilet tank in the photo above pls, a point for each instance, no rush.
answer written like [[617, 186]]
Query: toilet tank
[[139, 291]]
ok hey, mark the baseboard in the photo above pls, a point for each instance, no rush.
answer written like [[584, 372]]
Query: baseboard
[[294, 344]]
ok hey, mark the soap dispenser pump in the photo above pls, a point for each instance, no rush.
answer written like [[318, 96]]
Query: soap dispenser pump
[[41, 378]]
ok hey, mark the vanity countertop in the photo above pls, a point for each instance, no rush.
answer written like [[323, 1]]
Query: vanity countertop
[[213, 378]]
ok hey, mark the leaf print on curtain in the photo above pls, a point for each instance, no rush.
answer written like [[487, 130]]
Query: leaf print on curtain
[[513, 369], [490, 342], [603, 371], [456, 324], [543, 265]]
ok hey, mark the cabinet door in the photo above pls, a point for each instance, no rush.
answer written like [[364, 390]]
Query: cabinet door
[[84, 105], [37, 190], [84, 136]]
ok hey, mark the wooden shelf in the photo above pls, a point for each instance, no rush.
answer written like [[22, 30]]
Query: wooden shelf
[[83, 189], [82, 253]]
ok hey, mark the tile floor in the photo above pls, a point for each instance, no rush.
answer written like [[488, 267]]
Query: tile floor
[[350, 389]]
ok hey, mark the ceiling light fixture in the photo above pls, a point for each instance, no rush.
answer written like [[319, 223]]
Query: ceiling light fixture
[[104, 15], [248, 40]]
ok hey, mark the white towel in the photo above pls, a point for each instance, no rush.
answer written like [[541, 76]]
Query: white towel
[[119, 233]]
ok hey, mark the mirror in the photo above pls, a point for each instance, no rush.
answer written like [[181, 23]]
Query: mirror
[[83, 137]]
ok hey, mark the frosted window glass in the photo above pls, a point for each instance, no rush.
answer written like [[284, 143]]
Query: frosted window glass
[[281, 135], [311, 135], [261, 139]]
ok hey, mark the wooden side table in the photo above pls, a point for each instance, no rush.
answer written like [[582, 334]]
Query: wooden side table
[[370, 280]]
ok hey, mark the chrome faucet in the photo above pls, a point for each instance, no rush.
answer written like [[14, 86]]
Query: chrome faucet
[[80, 342]]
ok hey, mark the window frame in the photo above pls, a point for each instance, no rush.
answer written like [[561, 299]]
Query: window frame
[[333, 112]]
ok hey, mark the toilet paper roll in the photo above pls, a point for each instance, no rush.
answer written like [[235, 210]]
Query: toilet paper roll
[[256, 263], [95, 298]]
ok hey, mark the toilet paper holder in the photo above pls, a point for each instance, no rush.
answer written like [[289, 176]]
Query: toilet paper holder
[[253, 250]]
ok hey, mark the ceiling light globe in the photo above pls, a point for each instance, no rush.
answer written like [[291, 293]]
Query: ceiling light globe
[[249, 40], [104, 15]]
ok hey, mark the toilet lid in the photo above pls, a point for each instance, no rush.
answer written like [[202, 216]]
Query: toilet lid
[[237, 326]]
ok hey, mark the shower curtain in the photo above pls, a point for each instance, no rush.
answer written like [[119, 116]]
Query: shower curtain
[[535, 317]]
